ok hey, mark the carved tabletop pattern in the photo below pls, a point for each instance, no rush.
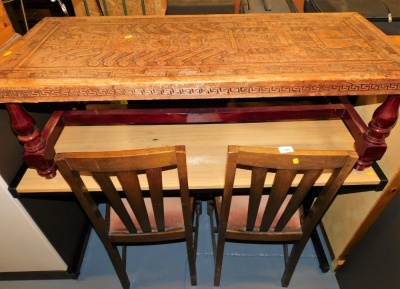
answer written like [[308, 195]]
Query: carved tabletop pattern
[[108, 58]]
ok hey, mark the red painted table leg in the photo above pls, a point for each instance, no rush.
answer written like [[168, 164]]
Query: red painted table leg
[[34, 144], [383, 120]]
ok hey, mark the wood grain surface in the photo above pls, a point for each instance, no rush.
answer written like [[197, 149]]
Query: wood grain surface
[[206, 148]]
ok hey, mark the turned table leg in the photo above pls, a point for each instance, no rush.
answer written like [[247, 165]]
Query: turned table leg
[[383, 120], [34, 144]]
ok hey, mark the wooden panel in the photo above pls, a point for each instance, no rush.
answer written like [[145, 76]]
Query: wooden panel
[[23, 245], [206, 147], [350, 216], [115, 8], [6, 28], [202, 56]]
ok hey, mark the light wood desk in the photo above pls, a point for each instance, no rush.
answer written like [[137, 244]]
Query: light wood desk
[[206, 147], [199, 57]]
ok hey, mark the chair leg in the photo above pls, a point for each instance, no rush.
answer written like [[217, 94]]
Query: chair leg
[[218, 260], [285, 253], [192, 264], [319, 250], [99, 226], [210, 212], [191, 245], [291, 264], [219, 249], [198, 211], [118, 264], [124, 255]]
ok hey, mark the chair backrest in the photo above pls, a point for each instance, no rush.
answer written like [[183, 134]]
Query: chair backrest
[[126, 166], [301, 167]]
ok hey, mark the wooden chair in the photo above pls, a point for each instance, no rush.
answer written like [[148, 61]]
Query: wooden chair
[[135, 217], [276, 215]]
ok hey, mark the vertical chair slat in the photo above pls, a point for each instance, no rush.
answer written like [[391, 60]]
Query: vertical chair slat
[[280, 187], [305, 185], [131, 186], [106, 185], [256, 189], [154, 178]]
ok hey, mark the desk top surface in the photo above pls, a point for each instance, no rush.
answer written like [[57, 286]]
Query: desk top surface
[[206, 149], [205, 56]]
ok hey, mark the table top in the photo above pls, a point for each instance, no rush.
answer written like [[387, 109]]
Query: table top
[[202, 56]]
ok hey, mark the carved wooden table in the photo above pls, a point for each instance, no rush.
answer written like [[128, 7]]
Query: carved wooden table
[[199, 57]]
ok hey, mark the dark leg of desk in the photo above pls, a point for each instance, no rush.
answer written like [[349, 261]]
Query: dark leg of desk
[[319, 251], [34, 144], [383, 120]]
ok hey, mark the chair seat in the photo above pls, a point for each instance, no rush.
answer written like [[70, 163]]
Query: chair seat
[[238, 214], [173, 216]]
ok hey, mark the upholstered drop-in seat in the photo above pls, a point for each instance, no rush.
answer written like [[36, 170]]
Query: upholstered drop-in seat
[[238, 215], [173, 216]]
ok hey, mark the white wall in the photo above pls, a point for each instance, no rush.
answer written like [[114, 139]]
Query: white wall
[[23, 247]]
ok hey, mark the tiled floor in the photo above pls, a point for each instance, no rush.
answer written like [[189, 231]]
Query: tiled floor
[[165, 267]]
